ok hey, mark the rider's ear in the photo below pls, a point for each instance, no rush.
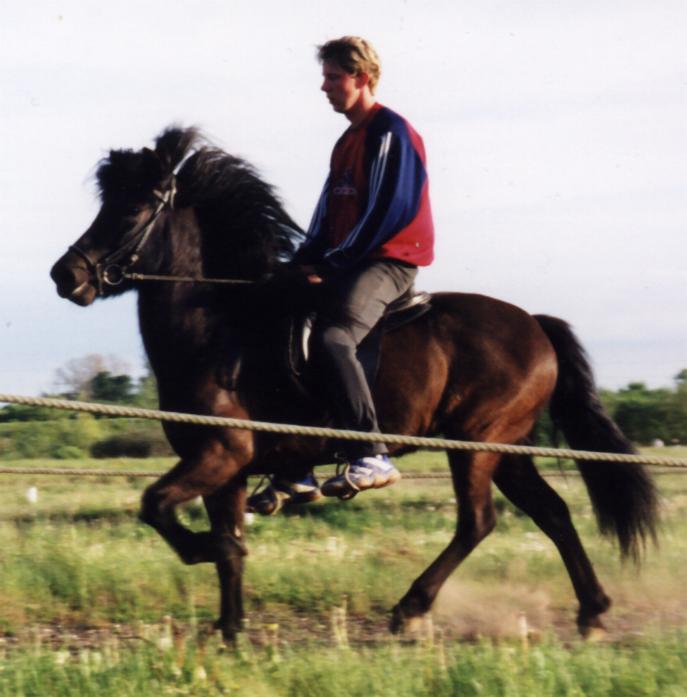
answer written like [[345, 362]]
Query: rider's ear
[[362, 79]]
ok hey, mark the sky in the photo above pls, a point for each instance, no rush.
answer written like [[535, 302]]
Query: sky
[[556, 135]]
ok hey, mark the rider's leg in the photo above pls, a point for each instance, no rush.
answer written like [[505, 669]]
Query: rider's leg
[[358, 303]]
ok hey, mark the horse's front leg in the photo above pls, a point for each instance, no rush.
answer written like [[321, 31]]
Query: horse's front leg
[[190, 478], [226, 510]]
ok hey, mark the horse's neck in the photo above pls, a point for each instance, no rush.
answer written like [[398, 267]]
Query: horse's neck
[[173, 330], [176, 325], [188, 329]]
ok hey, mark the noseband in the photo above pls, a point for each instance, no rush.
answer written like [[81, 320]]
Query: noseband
[[112, 268]]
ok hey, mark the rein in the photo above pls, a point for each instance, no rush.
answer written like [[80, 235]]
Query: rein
[[183, 279], [109, 269]]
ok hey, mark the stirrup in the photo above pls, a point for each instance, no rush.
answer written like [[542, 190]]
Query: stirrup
[[277, 493], [353, 488]]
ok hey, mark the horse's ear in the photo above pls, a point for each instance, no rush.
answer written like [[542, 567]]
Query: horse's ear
[[152, 167], [174, 144], [151, 159]]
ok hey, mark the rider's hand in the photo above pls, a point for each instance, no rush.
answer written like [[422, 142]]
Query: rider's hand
[[311, 274]]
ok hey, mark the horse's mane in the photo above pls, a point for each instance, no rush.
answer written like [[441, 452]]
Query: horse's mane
[[245, 229]]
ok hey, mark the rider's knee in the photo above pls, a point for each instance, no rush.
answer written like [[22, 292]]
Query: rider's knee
[[333, 340]]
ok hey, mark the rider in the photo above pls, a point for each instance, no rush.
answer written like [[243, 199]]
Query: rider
[[371, 229]]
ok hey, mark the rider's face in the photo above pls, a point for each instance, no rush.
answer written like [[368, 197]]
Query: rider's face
[[343, 90]]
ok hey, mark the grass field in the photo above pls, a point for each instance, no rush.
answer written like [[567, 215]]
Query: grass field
[[92, 602]]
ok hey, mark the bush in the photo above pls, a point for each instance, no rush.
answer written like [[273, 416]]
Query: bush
[[80, 432], [132, 444], [21, 412], [121, 446], [76, 436], [68, 452]]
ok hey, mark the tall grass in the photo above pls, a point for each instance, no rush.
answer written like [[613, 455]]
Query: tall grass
[[78, 558], [79, 555], [183, 667]]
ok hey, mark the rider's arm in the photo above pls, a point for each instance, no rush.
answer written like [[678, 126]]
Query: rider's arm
[[397, 184], [313, 248]]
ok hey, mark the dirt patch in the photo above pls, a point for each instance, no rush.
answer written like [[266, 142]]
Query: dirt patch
[[466, 610], [463, 612], [469, 610]]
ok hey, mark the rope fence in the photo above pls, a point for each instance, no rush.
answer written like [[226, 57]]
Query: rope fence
[[320, 432], [150, 474]]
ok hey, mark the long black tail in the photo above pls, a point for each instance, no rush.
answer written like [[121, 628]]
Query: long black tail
[[623, 495]]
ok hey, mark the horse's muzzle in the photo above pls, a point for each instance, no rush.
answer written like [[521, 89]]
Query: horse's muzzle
[[73, 281]]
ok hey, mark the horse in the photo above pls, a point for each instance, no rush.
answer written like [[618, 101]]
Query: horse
[[472, 367]]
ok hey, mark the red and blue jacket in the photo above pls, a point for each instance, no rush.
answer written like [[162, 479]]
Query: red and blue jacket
[[375, 202]]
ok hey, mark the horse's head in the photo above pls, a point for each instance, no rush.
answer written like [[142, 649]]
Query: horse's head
[[136, 188]]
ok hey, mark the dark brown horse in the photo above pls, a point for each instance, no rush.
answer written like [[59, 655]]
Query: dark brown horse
[[472, 368]]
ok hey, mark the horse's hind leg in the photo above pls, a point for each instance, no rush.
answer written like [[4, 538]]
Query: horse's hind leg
[[472, 475], [226, 512], [187, 480], [519, 480]]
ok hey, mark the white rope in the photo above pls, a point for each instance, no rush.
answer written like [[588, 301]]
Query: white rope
[[313, 431]]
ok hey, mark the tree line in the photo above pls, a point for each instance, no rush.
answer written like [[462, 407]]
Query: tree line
[[40, 432], [645, 415]]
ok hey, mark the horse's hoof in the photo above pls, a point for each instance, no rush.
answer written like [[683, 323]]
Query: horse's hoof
[[411, 626], [229, 631], [589, 623], [397, 621], [593, 633]]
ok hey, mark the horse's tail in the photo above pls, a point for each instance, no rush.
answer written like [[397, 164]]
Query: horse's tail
[[623, 495]]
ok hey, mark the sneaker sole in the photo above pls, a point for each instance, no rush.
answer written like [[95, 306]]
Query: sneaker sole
[[343, 490], [394, 477], [305, 497]]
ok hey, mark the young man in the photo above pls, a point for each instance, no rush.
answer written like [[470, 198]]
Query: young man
[[371, 229]]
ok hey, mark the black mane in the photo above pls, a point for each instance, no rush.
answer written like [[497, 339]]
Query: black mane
[[245, 229]]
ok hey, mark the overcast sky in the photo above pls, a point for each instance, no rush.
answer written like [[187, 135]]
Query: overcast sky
[[556, 135]]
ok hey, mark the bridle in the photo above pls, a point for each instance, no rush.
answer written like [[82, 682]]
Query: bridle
[[113, 268], [110, 270]]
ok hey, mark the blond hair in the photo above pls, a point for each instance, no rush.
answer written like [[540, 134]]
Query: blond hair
[[354, 55]]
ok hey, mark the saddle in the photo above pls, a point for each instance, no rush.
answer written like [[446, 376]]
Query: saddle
[[290, 344], [408, 307]]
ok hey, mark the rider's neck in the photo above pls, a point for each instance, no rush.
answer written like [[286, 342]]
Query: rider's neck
[[361, 109]]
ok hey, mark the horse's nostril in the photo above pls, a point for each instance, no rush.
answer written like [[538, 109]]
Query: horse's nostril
[[62, 275]]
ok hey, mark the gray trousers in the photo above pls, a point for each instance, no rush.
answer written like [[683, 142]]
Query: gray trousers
[[356, 302]]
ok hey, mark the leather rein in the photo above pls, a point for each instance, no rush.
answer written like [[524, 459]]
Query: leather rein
[[113, 268]]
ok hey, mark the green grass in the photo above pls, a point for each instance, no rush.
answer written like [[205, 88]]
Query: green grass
[[80, 555], [78, 558], [187, 667]]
